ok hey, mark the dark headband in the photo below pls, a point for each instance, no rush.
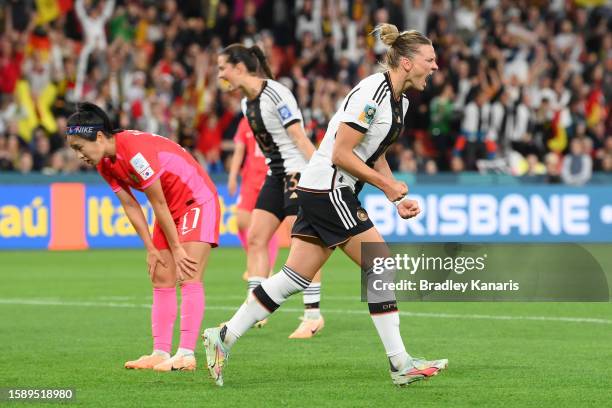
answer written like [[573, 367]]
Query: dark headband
[[83, 129]]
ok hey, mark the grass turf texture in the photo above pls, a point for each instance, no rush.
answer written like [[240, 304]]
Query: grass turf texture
[[71, 319]]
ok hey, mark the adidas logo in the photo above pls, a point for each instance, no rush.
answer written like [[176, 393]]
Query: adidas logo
[[293, 195]]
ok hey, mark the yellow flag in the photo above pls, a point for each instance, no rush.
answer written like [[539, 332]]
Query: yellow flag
[[48, 10]]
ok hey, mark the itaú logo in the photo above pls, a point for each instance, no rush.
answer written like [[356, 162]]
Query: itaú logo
[[31, 220], [485, 215]]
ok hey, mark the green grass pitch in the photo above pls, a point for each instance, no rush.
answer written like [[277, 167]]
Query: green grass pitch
[[71, 319]]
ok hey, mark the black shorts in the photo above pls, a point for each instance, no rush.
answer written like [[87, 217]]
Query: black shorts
[[278, 195], [333, 217]]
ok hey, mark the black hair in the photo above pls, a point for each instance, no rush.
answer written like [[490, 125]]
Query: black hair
[[253, 58], [87, 120]]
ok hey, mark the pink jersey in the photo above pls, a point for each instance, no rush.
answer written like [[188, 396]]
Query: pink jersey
[[254, 168], [141, 158]]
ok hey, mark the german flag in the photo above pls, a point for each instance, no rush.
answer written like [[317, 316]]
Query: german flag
[[595, 108], [49, 10], [558, 142]]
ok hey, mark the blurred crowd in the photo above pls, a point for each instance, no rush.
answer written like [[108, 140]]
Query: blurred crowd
[[524, 87]]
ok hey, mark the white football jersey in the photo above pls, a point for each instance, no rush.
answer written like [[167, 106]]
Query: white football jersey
[[269, 114], [369, 108]]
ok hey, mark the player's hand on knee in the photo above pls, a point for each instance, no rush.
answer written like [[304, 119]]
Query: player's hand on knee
[[186, 267], [408, 208], [154, 258]]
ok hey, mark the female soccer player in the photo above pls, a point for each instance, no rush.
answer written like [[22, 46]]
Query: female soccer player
[[276, 122], [186, 209], [250, 163], [352, 152]]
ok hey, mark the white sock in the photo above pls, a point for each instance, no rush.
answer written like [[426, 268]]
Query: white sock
[[253, 282], [312, 314], [388, 328], [264, 300], [312, 294], [249, 313], [184, 352], [161, 353], [400, 360]]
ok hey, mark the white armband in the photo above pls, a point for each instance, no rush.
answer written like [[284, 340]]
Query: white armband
[[397, 202]]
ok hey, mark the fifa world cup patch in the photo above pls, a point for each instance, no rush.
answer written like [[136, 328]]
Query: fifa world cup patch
[[142, 166], [139, 163], [367, 115], [284, 112]]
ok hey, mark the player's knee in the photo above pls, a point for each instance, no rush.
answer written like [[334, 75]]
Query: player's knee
[[164, 284], [256, 240], [163, 281]]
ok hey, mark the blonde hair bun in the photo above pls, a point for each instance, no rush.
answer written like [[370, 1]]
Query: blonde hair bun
[[388, 33], [404, 44]]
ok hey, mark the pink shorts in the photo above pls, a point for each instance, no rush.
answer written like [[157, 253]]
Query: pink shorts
[[197, 224]]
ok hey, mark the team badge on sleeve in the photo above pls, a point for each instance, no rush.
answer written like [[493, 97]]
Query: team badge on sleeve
[[284, 112], [367, 115], [139, 163], [146, 173], [142, 166]]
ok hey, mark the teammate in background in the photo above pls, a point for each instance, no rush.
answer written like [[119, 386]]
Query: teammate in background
[[276, 121], [252, 174], [352, 152], [186, 209]]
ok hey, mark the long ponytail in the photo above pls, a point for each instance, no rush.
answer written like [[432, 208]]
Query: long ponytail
[[253, 58], [263, 63]]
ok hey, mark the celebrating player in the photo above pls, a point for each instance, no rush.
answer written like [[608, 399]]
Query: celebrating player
[[186, 209], [276, 121], [352, 152], [249, 161]]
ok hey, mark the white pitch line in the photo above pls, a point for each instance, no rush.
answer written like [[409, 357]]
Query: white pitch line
[[58, 302], [216, 297]]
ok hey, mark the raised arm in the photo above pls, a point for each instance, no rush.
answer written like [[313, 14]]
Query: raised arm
[[79, 8], [107, 12]]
